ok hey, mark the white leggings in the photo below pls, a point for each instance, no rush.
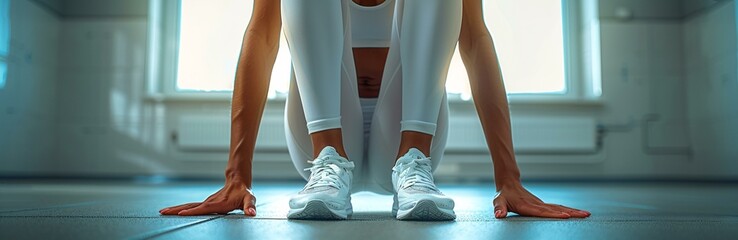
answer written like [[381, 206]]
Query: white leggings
[[424, 35]]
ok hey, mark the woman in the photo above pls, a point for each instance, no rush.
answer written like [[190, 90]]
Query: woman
[[325, 121]]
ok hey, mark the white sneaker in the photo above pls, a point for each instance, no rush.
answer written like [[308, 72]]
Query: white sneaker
[[416, 196], [326, 195]]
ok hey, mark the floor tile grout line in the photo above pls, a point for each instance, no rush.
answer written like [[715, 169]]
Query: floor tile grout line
[[85, 204], [71, 205], [163, 231], [501, 221], [379, 219], [106, 217]]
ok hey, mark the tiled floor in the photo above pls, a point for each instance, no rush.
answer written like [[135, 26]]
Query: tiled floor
[[114, 210]]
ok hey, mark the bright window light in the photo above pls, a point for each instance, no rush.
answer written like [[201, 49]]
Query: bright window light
[[529, 38], [4, 28], [4, 40], [528, 35], [209, 43]]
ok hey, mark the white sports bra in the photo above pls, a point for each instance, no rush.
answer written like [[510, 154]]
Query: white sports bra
[[371, 27]]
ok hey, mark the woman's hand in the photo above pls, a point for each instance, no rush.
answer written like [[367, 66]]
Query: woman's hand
[[231, 197], [515, 198]]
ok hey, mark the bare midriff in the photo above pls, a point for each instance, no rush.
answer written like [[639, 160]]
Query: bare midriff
[[369, 63], [369, 69], [369, 3]]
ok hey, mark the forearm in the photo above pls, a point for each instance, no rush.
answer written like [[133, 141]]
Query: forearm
[[490, 99], [258, 53]]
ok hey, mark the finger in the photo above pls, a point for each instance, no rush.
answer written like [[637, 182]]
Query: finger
[[500, 208], [249, 205], [534, 210], [174, 210], [205, 208], [186, 205], [571, 211]]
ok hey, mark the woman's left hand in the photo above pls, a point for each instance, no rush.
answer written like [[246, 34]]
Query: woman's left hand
[[515, 198]]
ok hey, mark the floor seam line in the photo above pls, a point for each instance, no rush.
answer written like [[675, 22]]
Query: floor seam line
[[106, 217], [71, 205], [164, 231]]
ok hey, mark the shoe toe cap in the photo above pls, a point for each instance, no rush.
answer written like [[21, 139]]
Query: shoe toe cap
[[333, 200], [410, 200]]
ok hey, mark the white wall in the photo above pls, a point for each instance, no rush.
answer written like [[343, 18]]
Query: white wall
[[28, 113], [108, 128], [711, 60], [101, 120]]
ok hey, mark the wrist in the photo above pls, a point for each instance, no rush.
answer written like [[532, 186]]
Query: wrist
[[507, 182], [237, 178], [237, 186]]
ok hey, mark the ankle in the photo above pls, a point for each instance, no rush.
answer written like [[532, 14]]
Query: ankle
[[328, 138], [411, 139]]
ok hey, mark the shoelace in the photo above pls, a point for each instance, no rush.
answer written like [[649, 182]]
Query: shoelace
[[324, 174], [417, 173]]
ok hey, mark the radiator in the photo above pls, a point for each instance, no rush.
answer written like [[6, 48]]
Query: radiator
[[541, 135], [531, 135], [212, 133]]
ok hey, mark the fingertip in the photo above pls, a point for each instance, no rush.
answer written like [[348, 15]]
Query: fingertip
[[580, 214], [500, 214], [252, 212]]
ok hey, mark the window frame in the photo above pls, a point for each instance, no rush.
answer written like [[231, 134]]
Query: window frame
[[581, 52], [4, 61], [582, 61]]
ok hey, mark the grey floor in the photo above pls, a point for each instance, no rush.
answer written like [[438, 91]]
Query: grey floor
[[115, 210]]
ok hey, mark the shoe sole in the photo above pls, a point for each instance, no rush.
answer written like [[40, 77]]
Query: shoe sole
[[426, 210], [317, 210]]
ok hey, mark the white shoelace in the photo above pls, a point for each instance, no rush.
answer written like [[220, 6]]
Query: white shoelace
[[416, 174], [324, 172]]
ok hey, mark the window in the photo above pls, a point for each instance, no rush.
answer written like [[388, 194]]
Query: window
[[542, 45], [529, 64], [4, 40]]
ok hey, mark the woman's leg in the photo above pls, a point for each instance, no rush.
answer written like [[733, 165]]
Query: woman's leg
[[385, 133], [386, 127], [416, 78], [301, 141], [315, 32], [428, 34]]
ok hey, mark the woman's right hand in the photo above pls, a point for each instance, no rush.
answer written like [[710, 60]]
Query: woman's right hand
[[231, 197]]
